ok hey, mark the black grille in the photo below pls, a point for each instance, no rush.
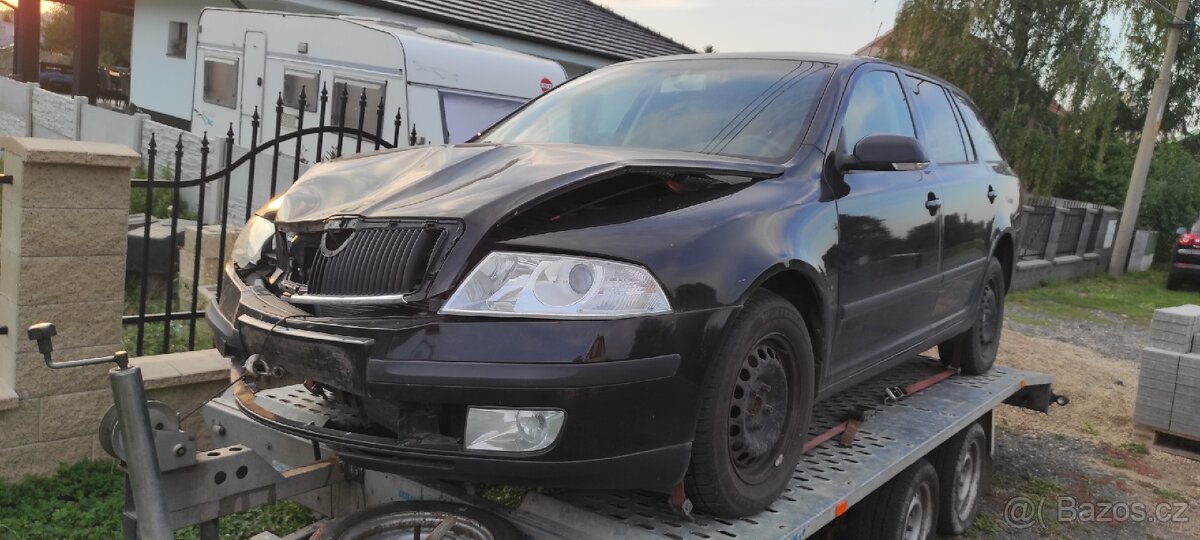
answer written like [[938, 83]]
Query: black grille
[[373, 261]]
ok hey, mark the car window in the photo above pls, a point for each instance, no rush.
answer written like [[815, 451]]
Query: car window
[[748, 108], [985, 146], [876, 107], [939, 128]]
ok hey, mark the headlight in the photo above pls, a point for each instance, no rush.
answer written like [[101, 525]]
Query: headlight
[[247, 249], [556, 286], [512, 430]]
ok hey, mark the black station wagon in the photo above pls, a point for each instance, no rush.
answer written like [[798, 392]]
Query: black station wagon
[[644, 278]]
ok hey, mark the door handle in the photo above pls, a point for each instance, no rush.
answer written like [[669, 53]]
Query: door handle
[[933, 204], [991, 194]]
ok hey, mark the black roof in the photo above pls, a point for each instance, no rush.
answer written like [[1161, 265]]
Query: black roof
[[573, 24]]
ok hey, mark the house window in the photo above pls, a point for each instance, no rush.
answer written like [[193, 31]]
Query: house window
[[220, 82], [293, 81], [354, 91], [177, 40]]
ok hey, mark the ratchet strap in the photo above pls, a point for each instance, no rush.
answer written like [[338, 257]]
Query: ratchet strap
[[848, 429]]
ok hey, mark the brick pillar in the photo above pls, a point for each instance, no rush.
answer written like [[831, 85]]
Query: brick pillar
[[62, 259]]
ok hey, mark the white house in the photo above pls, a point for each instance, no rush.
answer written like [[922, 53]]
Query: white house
[[577, 34]]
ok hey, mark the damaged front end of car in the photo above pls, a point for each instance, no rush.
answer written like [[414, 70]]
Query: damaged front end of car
[[403, 289]]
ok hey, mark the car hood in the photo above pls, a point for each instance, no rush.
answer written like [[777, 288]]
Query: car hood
[[481, 183]]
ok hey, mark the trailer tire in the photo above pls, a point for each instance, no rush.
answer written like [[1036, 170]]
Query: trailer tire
[[471, 522], [974, 351], [910, 500], [964, 468], [755, 408]]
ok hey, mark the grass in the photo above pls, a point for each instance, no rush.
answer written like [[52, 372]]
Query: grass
[[84, 501], [156, 303], [1169, 496], [1135, 296], [1134, 448], [985, 524], [1044, 487]]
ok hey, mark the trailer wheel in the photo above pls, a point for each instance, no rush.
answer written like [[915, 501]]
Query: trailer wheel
[[974, 351], [754, 411], [905, 508], [964, 467], [419, 519]]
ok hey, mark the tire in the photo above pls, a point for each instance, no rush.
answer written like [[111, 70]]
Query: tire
[[974, 351], [964, 468], [1174, 281], [403, 517], [904, 508], [750, 434]]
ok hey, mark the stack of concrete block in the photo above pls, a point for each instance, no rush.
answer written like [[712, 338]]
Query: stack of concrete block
[[1175, 328], [1168, 396]]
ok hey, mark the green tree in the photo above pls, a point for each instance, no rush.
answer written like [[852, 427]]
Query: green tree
[[116, 33]]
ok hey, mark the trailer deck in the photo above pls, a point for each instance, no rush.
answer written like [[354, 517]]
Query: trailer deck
[[829, 479]]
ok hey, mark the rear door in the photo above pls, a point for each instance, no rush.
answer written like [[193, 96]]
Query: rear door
[[888, 234], [254, 72], [963, 183]]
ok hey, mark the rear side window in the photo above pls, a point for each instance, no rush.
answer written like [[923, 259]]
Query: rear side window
[[354, 91], [876, 107], [940, 131], [985, 147]]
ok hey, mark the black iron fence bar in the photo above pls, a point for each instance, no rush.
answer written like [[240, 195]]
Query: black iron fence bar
[[225, 205], [172, 260], [162, 317], [199, 242], [412, 136], [151, 151], [254, 121], [321, 121], [362, 117], [275, 154], [342, 99], [206, 178], [299, 126], [379, 121]]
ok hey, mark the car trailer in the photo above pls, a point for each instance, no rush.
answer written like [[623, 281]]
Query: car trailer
[[870, 455]]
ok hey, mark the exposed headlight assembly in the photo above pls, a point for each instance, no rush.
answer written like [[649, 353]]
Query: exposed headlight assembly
[[507, 284], [248, 248]]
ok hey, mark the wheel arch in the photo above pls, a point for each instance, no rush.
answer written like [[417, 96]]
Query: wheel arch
[[1004, 250], [799, 284]]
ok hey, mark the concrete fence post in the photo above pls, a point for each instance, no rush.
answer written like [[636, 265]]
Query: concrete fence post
[[1085, 234], [139, 131], [62, 247], [78, 102], [29, 88], [1056, 225]]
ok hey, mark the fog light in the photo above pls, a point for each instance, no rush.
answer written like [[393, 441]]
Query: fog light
[[512, 430]]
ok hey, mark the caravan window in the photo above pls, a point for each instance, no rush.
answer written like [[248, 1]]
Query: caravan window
[[293, 81], [220, 82], [354, 91], [468, 114]]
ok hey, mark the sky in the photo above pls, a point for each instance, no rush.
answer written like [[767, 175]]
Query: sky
[[833, 26]]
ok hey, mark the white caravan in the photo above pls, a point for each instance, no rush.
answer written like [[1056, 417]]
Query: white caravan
[[446, 85]]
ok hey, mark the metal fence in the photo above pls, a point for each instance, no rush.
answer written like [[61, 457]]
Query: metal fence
[[1072, 229], [188, 309], [1036, 232]]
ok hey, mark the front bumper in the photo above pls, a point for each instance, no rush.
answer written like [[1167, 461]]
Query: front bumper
[[629, 387]]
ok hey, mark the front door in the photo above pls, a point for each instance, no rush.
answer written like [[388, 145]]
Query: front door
[[254, 71], [889, 234]]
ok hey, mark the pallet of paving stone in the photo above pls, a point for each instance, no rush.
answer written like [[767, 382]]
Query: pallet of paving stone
[[1175, 328]]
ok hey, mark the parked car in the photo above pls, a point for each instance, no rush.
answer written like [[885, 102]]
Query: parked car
[[1185, 257], [644, 277]]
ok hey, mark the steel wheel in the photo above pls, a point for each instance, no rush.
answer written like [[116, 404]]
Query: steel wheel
[[988, 319], [918, 522], [759, 408], [419, 520], [968, 477]]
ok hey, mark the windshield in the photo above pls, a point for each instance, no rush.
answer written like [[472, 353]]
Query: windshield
[[734, 107]]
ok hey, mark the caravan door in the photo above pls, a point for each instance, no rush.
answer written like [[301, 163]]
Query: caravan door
[[254, 71]]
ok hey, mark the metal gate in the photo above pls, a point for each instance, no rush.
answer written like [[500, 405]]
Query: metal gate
[[156, 312]]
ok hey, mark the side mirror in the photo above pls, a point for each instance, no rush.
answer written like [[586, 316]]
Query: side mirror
[[1180, 230], [886, 153]]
